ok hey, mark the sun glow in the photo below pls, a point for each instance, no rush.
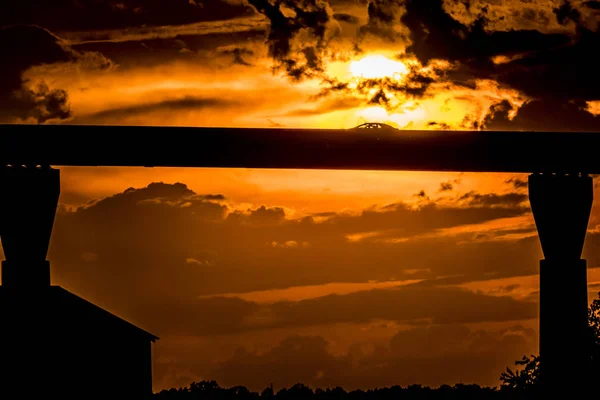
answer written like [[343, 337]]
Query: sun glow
[[377, 66]]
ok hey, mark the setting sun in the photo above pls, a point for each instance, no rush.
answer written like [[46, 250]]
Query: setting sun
[[377, 66]]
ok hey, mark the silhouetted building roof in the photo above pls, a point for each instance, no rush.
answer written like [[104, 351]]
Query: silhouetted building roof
[[63, 309], [56, 344]]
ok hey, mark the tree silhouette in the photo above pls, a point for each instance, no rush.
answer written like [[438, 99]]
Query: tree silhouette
[[528, 377], [210, 390], [268, 392], [522, 378], [594, 332]]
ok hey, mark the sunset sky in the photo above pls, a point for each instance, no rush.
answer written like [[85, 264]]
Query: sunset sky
[[330, 278]]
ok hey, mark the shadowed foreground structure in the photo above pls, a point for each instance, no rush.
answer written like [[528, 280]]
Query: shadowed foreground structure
[[560, 192], [343, 149], [53, 343], [57, 345]]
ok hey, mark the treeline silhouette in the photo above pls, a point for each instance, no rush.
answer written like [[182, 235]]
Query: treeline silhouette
[[210, 390], [521, 383]]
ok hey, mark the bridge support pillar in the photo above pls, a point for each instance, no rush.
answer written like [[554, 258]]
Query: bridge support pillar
[[28, 202], [561, 206]]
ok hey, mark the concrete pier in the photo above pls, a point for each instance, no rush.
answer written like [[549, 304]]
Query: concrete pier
[[561, 206], [27, 208]]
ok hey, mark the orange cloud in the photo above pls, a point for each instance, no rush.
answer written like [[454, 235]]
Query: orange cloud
[[593, 107]]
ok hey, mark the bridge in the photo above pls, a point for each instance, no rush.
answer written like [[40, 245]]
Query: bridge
[[352, 149], [560, 165]]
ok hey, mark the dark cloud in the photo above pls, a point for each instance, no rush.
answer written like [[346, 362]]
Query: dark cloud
[[498, 113], [402, 220], [162, 226], [436, 34], [416, 355], [595, 5], [349, 18], [551, 67], [146, 49], [24, 47], [494, 200], [414, 85], [412, 303], [298, 58], [264, 215], [421, 194], [566, 13], [549, 114], [528, 231], [187, 103], [237, 53], [274, 124], [213, 197], [67, 15], [40, 104], [446, 187], [384, 17], [517, 183], [193, 317], [563, 72], [439, 125], [157, 196], [308, 354], [132, 197]]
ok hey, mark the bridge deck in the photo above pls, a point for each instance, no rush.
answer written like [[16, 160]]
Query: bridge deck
[[353, 149]]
